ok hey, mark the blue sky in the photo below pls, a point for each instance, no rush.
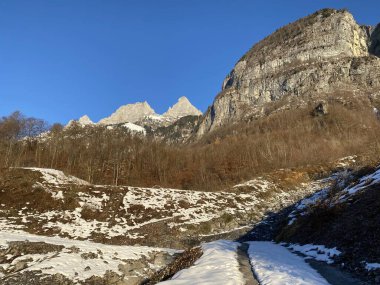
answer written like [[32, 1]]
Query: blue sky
[[60, 59]]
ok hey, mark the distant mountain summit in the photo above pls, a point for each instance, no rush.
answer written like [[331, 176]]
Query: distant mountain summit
[[181, 109], [142, 113], [175, 125], [129, 113], [82, 121], [85, 120]]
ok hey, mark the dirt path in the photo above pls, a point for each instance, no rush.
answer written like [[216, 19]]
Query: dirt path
[[245, 266]]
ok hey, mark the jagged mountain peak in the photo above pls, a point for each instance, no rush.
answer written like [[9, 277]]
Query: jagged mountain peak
[[82, 121], [85, 120], [182, 108], [129, 113]]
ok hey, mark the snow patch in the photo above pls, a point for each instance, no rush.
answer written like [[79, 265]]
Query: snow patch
[[372, 266], [317, 252], [364, 182], [258, 184], [275, 265], [57, 177], [218, 265], [134, 128], [70, 261]]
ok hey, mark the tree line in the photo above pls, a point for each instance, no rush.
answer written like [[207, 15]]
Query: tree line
[[220, 159]]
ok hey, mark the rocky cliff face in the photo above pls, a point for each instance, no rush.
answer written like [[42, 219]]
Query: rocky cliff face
[[129, 113], [143, 113], [181, 109], [319, 54]]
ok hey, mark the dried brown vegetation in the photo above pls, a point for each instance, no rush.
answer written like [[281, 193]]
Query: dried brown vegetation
[[282, 139]]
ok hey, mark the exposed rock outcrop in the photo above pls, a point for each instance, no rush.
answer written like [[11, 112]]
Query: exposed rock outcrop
[[129, 113], [181, 109], [85, 120], [318, 54]]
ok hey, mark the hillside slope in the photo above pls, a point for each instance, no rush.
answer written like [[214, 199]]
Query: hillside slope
[[345, 216]]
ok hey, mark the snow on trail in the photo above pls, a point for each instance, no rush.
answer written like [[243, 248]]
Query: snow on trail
[[218, 265], [273, 264]]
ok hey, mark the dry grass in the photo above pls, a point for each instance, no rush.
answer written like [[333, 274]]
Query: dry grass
[[281, 139]]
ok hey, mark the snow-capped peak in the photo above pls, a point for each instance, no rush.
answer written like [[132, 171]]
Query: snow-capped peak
[[129, 113], [182, 108]]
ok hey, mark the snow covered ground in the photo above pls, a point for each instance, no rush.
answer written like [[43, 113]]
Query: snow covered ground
[[129, 215], [317, 252], [273, 264], [363, 183], [218, 265], [134, 128], [77, 260], [372, 266], [80, 210], [57, 177]]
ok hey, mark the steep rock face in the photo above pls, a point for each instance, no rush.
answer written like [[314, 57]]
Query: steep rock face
[[318, 54], [181, 109], [85, 120], [129, 113], [178, 132]]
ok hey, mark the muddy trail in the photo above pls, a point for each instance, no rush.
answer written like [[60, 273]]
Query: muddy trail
[[245, 265]]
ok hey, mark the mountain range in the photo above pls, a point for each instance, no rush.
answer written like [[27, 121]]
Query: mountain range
[[133, 113], [284, 161]]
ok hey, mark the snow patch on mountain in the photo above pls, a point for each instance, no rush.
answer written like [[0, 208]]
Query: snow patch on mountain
[[133, 128]]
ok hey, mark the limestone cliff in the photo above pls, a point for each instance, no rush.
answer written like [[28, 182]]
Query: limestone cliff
[[318, 54]]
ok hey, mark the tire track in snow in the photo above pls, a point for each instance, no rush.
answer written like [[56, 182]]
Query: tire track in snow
[[245, 265]]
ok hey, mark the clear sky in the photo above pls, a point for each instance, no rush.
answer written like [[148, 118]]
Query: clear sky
[[60, 59]]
